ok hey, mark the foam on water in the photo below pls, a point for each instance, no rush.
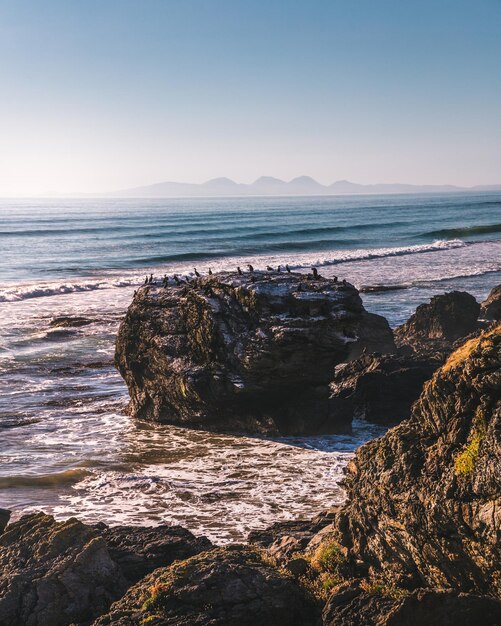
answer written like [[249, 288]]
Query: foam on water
[[67, 445]]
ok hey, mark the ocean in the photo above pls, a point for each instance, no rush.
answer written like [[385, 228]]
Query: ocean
[[66, 444]]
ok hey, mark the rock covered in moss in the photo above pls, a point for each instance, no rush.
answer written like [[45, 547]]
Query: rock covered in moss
[[490, 309], [380, 388], [424, 501], [437, 325], [230, 586], [252, 352]]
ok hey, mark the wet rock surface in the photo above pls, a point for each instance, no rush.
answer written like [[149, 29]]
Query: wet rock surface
[[380, 388], [424, 500], [69, 321], [437, 325], [490, 309], [231, 586], [252, 352]]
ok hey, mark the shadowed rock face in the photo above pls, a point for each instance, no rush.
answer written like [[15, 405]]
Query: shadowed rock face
[[490, 309], [252, 352], [224, 587], [424, 501], [380, 388], [54, 573], [60, 573], [437, 325], [351, 606]]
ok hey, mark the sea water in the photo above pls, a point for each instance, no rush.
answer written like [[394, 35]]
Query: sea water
[[66, 444]]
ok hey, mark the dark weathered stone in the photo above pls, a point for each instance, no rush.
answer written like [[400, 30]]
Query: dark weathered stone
[[380, 388], [424, 500], [4, 519], [243, 353], [231, 586], [490, 309], [55, 573], [350, 605], [437, 325], [138, 551], [70, 321]]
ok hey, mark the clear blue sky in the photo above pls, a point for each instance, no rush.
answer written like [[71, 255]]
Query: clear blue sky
[[109, 94]]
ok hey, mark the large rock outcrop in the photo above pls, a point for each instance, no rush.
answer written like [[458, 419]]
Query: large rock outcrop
[[61, 573], [490, 309], [437, 325], [380, 388], [231, 586], [252, 352], [424, 501]]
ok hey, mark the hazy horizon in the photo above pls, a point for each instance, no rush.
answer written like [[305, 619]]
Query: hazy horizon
[[100, 97]]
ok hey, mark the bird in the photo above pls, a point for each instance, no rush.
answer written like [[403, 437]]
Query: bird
[[344, 281], [210, 272], [287, 268], [269, 268], [251, 269], [135, 292], [278, 269], [146, 280], [150, 280], [335, 279], [315, 272], [197, 274], [178, 282], [239, 271]]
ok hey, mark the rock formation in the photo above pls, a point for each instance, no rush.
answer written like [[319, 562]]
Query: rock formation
[[437, 325], [490, 309], [232, 586], [252, 352], [424, 501], [380, 388], [59, 573]]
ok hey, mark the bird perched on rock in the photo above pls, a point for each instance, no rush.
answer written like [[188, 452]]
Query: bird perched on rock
[[344, 282], [146, 280], [287, 268], [210, 272], [269, 268], [239, 271], [197, 274], [279, 269], [315, 272], [150, 280], [251, 269], [335, 279], [178, 282]]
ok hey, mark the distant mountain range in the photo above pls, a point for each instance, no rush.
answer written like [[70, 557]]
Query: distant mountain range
[[269, 186]]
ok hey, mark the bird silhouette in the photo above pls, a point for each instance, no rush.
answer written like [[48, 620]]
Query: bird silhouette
[[270, 269], [251, 269], [197, 274], [210, 272], [288, 269], [315, 272]]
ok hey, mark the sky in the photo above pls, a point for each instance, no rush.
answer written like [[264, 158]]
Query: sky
[[111, 94]]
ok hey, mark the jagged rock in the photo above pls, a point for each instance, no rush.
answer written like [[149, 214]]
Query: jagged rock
[[69, 321], [424, 500], [231, 586], [138, 551], [437, 325], [58, 573], [380, 388], [4, 519], [284, 539], [350, 605], [490, 309], [54, 573], [243, 353]]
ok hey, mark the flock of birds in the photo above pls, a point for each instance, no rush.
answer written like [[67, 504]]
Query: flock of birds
[[149, 280]]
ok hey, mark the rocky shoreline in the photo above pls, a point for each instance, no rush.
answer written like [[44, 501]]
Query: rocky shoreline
[[417, 541]]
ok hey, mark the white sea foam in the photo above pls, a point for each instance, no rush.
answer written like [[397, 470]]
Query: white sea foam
[[9, 293]]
